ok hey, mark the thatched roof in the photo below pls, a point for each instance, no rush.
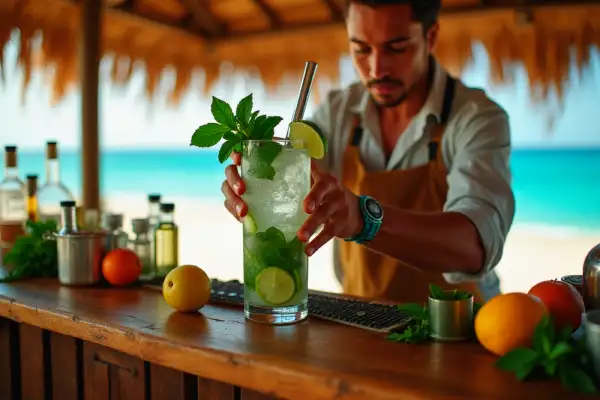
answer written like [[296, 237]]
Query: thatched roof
[[276, 37]]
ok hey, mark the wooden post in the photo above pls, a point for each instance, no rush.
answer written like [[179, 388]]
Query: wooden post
[[91, 25]]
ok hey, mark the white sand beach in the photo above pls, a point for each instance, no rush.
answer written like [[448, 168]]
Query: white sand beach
[[212, 239]]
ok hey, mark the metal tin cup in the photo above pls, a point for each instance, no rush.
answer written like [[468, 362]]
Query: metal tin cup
[[80, 257], [591, 328], [450, 320]]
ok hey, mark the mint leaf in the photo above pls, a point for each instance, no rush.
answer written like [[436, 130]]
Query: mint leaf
[[268, 126], [208, 135], [275, 236], [560, 349], [573, 378], [261, 158], [517, 360], [237, 137], [222, 113], [413, 309], [437, 292], [243, 111], [225, 150]]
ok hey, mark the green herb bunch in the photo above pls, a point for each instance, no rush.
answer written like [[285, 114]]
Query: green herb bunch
[[32, 255], [552, 355], [417, 329], [235, 128]]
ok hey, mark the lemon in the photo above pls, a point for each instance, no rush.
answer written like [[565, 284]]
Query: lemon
[[275, 286], [250, 224], [186, 288], [311, 138]]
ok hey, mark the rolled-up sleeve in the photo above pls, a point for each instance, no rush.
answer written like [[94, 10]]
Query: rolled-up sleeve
[[479, 184]]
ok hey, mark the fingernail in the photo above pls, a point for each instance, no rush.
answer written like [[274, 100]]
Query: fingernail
[[309, 251], [236, 188], [238, 208], [311, 206]]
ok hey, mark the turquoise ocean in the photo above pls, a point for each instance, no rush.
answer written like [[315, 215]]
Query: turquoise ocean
[[554, 187]]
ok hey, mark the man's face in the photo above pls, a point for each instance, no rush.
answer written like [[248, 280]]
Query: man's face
[[389, 50]]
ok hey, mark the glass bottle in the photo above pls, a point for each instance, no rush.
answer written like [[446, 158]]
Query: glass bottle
[[140, 245], [53, 191], [68, 218], [117, 237], [166, 251], [153, 219], [13, 208], [32, 198]]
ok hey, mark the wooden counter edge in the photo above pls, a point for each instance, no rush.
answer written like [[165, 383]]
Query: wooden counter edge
[[252, 372]]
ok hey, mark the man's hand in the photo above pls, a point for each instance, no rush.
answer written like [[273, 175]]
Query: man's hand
[[329, 204], [233, 187]]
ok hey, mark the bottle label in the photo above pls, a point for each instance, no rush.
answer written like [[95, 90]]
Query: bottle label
[[12, 206]]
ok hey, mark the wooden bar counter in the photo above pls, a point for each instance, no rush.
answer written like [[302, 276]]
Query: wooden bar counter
[[107, 343]]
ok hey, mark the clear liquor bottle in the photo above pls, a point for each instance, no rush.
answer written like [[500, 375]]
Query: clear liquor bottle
[[53, 192], [166, 251], [153, 220], [13, 210], [117, 238], [140, 245]]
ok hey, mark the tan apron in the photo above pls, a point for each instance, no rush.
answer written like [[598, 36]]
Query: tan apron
[[373, 275]]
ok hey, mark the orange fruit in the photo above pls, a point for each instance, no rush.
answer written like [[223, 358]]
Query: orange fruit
[[121, 267], [563, 301], [508, 321]]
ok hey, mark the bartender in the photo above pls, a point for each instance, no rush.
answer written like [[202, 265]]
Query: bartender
[[415, 188]]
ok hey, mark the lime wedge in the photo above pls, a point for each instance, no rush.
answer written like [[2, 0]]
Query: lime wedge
[[250, 224], [311, 136], [274, 285]]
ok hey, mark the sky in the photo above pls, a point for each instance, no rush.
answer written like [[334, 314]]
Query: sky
[[127, 120]]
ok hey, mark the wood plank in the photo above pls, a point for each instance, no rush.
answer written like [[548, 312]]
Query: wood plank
[[112, 375], [247, 394], [167, 383], [215, 390], [9, 360], [66, 353], [36, 380], [311, 360]]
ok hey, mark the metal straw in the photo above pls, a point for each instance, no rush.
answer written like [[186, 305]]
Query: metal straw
[[304, 93]]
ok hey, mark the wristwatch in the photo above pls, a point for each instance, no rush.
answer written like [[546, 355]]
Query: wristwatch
[[372, 215]]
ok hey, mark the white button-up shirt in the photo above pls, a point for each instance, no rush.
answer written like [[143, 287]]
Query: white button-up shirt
[[475, 148]]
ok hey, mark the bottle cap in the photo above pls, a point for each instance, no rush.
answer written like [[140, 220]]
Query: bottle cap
[[139, 225], [51, 150], [31, 185], [154, 197], [11, 156], [114, 221], [167, 207], [67, 203]]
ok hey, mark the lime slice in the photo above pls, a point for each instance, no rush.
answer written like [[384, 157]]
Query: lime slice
[[250, 224], [275, 286], [311, 136]]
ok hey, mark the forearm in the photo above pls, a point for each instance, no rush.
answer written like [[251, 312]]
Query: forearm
[[434, 242]]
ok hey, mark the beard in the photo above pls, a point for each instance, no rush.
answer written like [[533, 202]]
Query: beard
[[388, 101]]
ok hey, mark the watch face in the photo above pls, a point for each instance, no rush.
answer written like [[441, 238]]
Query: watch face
[[374, 209]]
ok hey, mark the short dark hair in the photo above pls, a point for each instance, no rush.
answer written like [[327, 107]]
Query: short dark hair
[[424, 11]]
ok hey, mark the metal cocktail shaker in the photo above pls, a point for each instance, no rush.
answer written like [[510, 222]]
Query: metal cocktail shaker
[[591, 279]]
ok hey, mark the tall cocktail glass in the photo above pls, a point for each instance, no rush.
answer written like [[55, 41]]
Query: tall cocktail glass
[[277, 178]]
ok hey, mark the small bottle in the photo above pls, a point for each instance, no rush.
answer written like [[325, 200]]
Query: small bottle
[[117, 238], [52, 192], [68, 218], [140, 245], [32, 198], [166, 252], [13, 208], [153, 209]]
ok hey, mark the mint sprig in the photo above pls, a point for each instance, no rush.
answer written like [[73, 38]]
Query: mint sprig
[[555, 355], [235, 128]]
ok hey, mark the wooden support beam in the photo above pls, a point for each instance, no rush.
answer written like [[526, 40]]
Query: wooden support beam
[[335, 10], [203, 20], [90, 149], [274, 19]]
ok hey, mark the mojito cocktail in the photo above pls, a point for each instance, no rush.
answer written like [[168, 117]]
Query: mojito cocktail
[[277, 178]]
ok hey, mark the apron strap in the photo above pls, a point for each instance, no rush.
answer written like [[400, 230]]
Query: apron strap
[[438, 130]]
